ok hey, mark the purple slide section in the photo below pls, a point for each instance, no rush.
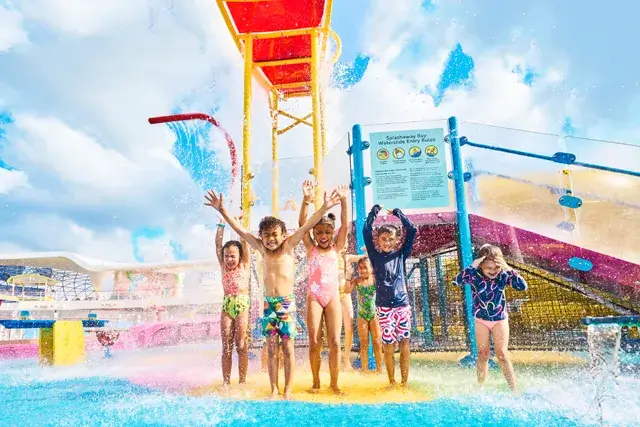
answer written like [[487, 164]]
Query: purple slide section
[[610, 274]]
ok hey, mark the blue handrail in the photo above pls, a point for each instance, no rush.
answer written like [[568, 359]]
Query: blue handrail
[[465, 141]]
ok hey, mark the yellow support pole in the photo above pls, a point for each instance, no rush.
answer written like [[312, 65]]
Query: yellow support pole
[[246, 132], [315, 110], [274, 152], [323, 130]]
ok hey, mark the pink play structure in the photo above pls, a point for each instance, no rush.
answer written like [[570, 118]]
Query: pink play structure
[[157, 334]]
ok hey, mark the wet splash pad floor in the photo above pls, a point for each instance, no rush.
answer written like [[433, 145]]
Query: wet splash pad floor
[[179, 386]]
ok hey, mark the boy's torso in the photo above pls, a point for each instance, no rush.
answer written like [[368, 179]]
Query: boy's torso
[[278, 272], [391, 289]]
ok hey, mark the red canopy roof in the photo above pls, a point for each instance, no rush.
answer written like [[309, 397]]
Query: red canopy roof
[[251, 17]]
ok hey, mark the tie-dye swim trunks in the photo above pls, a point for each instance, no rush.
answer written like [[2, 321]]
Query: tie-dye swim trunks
[[279, 317]]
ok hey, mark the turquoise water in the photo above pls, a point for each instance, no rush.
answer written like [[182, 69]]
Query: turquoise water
[[94, 401], [102, 393]]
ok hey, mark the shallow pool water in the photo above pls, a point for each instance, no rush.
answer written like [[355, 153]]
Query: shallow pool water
[[111, 393]]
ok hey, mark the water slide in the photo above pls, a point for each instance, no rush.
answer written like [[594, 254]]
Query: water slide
[[521, 213], [520, 190]]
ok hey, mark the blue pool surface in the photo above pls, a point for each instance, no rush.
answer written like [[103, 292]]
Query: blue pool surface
[[105, 392], [116, 402]]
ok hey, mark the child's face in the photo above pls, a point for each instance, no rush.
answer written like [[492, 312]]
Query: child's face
[[272, 238], [323, 235], [387, 241], [364, 269], [490, 268], [231, 257]]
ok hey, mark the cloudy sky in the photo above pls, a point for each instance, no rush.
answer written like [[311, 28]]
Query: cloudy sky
[[81, 170]]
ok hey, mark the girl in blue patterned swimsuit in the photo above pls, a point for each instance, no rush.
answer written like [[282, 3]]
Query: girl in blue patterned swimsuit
[[488, 276]]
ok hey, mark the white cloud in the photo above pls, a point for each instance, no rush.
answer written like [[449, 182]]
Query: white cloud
[[49, 232], [11, 31], [85, 18], [82, 139], [12, 180]]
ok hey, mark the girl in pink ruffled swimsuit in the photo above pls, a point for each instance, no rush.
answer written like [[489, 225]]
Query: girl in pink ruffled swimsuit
[[323, 255]]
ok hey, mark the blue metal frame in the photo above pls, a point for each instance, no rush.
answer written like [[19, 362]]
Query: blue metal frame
[[424, 293], [442, 297], [563, 158], [358, 182], [464, 235]]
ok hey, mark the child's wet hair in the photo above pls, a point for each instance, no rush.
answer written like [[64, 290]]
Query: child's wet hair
[[235, 243], [363, 261], [269, 222], [328, 219], [490, 252], [388, 228]]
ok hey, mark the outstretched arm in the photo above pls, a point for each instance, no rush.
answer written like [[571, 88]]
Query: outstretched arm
[[341, 240], [307, 197], [349, 285], [367, 231], [410, 233], [329, 202], [215, 201], [219, 236]]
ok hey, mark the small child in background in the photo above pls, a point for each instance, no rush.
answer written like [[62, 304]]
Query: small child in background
[[488, 276], [365, 287], [346, 273], [347, 310], [392, 299]]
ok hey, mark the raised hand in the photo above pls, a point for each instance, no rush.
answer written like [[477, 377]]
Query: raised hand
[[476, 262], [343, 191], [308, 188], [331, 200], [214, 200], [504, 266]]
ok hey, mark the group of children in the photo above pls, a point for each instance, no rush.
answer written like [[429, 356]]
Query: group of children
[[383, 302]]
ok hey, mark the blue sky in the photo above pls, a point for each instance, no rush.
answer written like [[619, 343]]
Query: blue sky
[[81, 170]]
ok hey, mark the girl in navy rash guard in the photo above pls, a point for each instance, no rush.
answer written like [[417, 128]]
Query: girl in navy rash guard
[[488, 276], [392, 300]]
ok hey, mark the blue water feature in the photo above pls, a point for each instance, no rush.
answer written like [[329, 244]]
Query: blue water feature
[[100, 401]]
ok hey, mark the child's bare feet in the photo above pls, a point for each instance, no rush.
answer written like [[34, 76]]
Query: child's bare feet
[[274, 394], [337, 391], [287, 394], [315, 388], [392, 385]]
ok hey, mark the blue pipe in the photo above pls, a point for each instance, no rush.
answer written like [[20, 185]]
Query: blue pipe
[[464, 235], [550, 158], [357, 186]]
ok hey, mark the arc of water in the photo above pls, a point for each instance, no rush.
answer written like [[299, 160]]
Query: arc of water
[[207, 118]]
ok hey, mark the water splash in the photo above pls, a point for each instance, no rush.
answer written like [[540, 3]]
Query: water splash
[[604, 348]]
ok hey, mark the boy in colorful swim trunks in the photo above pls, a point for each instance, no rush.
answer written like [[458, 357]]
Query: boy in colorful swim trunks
[[276, 249], [392, 300]]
